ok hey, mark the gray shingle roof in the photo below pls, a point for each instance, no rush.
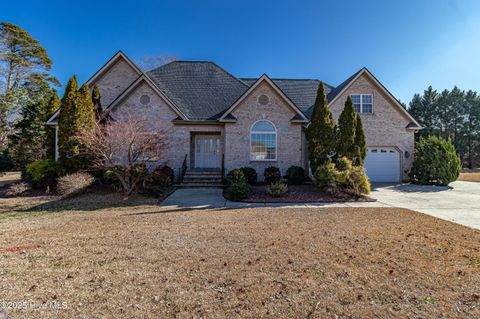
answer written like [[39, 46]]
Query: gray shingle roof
[[302, 92], [201, 90]]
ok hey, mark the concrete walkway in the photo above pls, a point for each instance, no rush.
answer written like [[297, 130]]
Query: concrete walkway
[[460, 202], [191, 198]]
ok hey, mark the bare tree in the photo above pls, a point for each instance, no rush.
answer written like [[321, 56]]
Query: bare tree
[[150, 62], [123, 145]]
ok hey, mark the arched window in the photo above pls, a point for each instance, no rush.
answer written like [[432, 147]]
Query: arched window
[[263, 141]]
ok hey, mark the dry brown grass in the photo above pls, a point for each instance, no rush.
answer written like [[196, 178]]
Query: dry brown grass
[[470, 176], [9, 178], [138, 260]]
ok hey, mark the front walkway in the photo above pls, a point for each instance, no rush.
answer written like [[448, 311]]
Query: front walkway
[[191, 198]]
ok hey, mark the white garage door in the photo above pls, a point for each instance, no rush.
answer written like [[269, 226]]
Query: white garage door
[[383, 164]]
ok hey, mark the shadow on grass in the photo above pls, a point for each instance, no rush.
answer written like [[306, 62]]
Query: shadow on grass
[[92, 202], [411, 188]]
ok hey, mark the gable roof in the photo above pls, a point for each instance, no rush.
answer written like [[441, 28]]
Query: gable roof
[[261, 79], [344, 86], [302, 92], [131, 88], [114, 59], [201, 90]]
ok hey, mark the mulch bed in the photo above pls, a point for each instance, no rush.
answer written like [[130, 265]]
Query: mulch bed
[[299, 194]]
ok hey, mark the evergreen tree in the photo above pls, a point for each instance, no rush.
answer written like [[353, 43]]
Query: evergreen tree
[[345, 136], [360, 142], [29, 139], [321, 131], [67, 129], [52, 106], [85, 109], [96, 101]]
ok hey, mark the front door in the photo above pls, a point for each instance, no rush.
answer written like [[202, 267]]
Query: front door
[[207, 151]]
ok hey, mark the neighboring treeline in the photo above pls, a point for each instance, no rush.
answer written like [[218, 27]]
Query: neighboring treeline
[[452, 115], [27, 99]]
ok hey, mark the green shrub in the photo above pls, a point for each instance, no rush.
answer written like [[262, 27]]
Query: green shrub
[[109, 178], [436, 162], [250, 174], [73, 184], [357, 182], [296, 175], [6, 163], [235, 176], [351, 180], [277, 189], [325, 176], [343, 164], [42, 174], [272, 175], [239, 191], [159, 180], [162, 176]]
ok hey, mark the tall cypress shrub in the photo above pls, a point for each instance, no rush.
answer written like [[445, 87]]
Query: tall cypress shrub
[[321, 131], [360, 142], [96, 101], [52, 106], [345, 137], [67, 127]]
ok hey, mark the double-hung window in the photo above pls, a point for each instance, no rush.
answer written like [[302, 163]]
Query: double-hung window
[[263, 141], [363, 103]]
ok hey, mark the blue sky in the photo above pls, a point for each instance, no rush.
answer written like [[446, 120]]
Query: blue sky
[[408, 45]]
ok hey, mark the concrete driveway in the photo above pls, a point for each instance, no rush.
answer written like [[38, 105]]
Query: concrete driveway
[[460, 202]]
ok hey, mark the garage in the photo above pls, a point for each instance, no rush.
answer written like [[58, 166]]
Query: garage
[[383, 164]]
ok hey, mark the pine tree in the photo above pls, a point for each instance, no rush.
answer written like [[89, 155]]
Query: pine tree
[[67, 143], [53, 105], [321, 131], [346, 131], [359, 142]]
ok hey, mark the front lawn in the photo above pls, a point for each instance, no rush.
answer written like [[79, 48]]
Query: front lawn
[[138, 260], [470, 175]]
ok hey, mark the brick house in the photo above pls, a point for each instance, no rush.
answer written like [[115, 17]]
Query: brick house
[[217, 120]]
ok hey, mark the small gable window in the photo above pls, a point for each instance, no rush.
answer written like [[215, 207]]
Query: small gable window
[[363, 103], [263, 141]]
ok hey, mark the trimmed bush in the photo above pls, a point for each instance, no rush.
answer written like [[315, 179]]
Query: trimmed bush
[[156, 182], [250, 174], [237, 186], [357, 182], [6, 163], [162, 176], [325, 177], [272, 175], [42, 174], [436, 162], [74, 184], [350, 180], [277, 189], [296, 175], [17, 189], [235, 176], [239, 191], [343, 164]]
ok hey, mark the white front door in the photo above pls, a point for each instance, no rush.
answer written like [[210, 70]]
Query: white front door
[[207, 151], [383, 164]]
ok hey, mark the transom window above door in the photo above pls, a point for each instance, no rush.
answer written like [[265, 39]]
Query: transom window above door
[[263, 141], [363, 103]]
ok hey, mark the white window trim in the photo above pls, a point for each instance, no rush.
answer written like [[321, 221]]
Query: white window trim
[[264, 132], [361, 103]]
